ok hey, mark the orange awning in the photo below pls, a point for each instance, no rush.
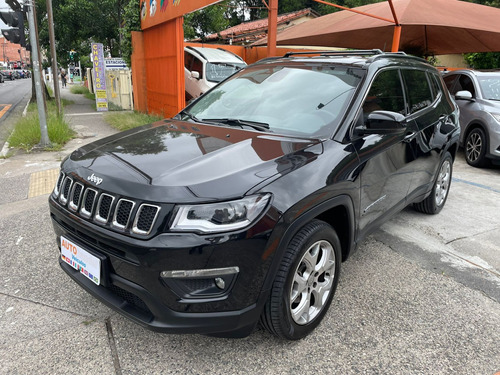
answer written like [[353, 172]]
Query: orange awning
[[429, 26]]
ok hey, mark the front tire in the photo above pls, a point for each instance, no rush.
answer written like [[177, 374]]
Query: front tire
[[305, 282], [475, 148], [434, 203]]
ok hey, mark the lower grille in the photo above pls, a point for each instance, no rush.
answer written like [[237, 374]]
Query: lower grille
[[129, 298]]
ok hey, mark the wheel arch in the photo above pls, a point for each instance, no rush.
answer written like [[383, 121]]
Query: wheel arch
[[476, 125], [337, 211]]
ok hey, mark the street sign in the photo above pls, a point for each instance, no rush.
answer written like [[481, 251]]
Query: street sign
[[101, 98], [115, 63]]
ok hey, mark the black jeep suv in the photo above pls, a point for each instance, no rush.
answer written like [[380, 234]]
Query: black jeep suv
[[242, 207]]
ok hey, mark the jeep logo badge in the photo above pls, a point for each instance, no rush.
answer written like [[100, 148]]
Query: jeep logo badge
[[93, 178]]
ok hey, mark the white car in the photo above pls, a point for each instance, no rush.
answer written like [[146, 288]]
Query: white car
[[206, 67]]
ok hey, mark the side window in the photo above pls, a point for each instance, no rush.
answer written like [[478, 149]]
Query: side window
[[465, 83], [449, 81], [419, 91], [197, 66], [386, 94], [188, 60], [435, 84]]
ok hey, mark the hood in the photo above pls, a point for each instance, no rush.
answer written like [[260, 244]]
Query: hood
[[180, 161]]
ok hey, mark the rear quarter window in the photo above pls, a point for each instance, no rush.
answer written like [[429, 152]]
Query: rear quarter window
[[419, 90]]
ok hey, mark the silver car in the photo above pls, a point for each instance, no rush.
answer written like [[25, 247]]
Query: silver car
[[478, 96]]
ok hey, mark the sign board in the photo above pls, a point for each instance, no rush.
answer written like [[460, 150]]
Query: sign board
[[154, 12], [97, 54], [115, 63]]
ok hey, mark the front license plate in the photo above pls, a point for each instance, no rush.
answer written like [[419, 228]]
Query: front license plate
[[81, 260]]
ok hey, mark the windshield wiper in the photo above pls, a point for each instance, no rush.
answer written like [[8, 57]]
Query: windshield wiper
[[262, 126], [190, 116]]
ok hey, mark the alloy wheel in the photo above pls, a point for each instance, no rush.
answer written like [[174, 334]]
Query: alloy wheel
[[443, 183], [473, 147], [312, 282]]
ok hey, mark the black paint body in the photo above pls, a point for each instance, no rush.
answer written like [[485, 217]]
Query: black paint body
[[354, 182]]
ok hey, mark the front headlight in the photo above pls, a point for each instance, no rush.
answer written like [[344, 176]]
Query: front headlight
[[219, 217]]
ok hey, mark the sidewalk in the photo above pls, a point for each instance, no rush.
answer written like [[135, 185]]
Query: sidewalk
[[33, 174]]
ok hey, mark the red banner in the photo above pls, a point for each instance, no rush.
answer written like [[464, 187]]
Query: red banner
[[154, 12]]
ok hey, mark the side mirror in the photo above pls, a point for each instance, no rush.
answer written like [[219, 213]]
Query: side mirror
[[464, 95], [383, 122], [195, 75]]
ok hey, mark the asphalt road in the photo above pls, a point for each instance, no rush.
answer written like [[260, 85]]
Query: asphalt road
[[12, 94], [420, 296]]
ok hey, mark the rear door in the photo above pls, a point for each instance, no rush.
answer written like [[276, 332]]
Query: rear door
[[430, 111]]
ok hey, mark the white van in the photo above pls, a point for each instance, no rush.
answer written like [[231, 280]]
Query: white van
[[205, 67]]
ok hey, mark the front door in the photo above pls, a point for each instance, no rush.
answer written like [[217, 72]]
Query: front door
[[385, 167]]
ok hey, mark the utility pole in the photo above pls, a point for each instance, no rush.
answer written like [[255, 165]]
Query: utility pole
[[37, 75], [54, 57]]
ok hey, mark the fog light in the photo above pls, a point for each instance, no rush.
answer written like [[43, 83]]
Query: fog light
[[221, 284], [201, 285]]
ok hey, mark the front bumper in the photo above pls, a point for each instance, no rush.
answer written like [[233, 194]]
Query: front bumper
[[137, 304], [494, 142], [133, 286]]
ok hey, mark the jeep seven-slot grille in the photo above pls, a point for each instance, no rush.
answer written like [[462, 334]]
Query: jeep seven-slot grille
[[104, 208]]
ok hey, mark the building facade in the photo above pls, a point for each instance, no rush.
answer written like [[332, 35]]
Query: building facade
[[11, 53]]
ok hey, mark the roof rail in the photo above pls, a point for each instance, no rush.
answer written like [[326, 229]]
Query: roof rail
[[362, 52], [400, 54], [195, 50]]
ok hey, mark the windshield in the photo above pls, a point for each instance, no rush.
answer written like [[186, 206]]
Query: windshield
[[217, 72], [490, 86], [306, 100]]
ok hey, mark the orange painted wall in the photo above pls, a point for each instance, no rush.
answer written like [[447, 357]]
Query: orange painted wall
[[164, 60], [138, 65]]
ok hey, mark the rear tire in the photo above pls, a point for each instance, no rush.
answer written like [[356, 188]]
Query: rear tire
[[434, 203], [305, 282]]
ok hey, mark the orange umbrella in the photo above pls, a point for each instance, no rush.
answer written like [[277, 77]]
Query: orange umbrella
[[428, 26]]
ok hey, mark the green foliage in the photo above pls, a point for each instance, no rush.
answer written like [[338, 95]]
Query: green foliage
[[491, 3], [89, 96], [132, 22], [487, 60], [27, 133], [129, 120], [75, 89], [207, 21], [78, 23], [84, 91]]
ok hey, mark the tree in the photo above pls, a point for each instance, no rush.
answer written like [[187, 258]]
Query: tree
[[132, 22], [484, 60], [206, 21], [78, 23]]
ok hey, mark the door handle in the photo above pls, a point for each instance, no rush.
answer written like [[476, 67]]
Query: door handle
[[410, 135]]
